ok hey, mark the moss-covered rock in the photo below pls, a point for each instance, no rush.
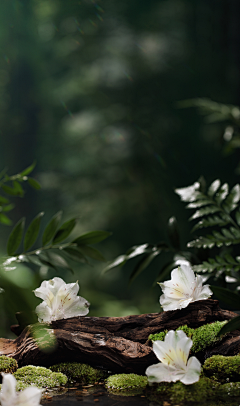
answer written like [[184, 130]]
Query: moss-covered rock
[[79, 372], [126, 384], [206, 336], [223, 369], [202, 337], [40, 377], [7, 364]]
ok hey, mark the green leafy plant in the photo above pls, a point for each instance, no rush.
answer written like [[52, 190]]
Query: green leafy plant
[[53, 252]]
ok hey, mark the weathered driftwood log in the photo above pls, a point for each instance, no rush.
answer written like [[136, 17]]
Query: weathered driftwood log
[[118, 343]]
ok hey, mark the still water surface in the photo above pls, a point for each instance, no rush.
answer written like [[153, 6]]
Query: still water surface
[[95, 395]]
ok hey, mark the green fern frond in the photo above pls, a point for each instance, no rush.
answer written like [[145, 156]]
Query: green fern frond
[[218, 199], [212, 221], [226, 263]]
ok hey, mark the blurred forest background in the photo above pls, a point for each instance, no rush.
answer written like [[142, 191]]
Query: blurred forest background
[[89, 89]]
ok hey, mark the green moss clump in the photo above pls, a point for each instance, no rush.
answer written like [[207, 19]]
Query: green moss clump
[[229, 389], [40, 377], [7, 364], [158, 336], [202, 337], [79, 372], [128, 384], [206, 336], [223, 369], [20, 385]]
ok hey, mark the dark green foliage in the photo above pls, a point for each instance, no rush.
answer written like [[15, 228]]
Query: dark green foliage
[[15, 237], [32, 232], [53, 254], [217, 199], [233, 324]]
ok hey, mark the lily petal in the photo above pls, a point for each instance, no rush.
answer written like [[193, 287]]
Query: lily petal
[[193, 371], [159, 373], [8, 392], [29, 397], [80, 307], [44, 312]]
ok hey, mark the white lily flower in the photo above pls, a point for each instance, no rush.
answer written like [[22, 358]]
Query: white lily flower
[[173, 353], [9, 397], [183, 288], [60, 301]]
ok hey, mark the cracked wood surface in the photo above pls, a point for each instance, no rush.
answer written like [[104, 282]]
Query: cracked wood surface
[[119, 344]]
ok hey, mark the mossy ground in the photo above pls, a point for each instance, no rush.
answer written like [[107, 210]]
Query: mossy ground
[[223, 369], [79, 372], [202, 337], [126, 384], [40, 377], [7, 364]]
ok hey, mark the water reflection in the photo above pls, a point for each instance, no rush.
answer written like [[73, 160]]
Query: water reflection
[[92, 395]]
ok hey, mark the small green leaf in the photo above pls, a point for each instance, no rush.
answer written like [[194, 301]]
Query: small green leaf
[[9, 207], [91, 252], [75, 254], [190, 193], [3, 200], [9, 190], [5, 220], [173, 233], [34, 183], [214, 187], [28, 170], [32, 232], [34, 259], [57, 261], [92, 237], [233, 324], [18, 188], [222, 193], [51, 228], [204, 211], [232, 199], [238, 217], [64, 231], [227, 296], [15, 237], [119, 261]]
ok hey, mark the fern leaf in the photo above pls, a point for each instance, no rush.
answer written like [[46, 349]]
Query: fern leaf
[[237, 216], [235, 232], [214, 187], [190, 193], [222, 193], [212, 221], [202, 242], [232, 199], [198, 203], [217, 239], [204, 211], [226, 263]]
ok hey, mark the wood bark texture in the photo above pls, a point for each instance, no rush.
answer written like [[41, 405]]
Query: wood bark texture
[[118, 344]]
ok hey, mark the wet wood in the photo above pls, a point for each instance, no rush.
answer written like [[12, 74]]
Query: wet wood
[[118, 343]]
